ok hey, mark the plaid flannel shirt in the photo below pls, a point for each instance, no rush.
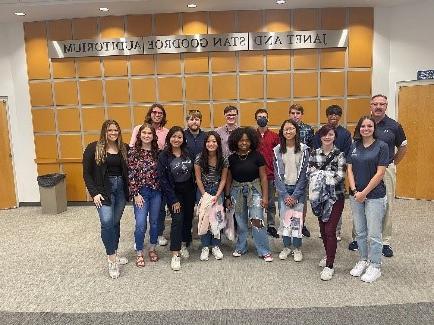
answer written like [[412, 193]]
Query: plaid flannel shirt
[[338, 165]]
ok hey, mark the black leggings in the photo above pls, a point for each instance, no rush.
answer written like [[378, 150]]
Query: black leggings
[[182, 222]]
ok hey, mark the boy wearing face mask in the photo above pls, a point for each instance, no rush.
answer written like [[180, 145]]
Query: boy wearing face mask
[[268, 140]]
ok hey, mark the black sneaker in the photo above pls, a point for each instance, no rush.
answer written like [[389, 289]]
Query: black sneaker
[[353, 246], [387, 251], [272, 232], [305, 232]]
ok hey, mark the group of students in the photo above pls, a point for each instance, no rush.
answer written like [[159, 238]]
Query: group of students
[[239, 169]]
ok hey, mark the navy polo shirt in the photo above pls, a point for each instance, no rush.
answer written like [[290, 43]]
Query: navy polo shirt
[[391, 132], [364, 163], [194, 142], [342, 140]]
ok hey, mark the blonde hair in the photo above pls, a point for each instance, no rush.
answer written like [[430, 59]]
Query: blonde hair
[[102, 144]]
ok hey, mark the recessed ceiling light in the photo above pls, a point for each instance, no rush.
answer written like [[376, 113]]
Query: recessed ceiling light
[[192, 5], [104, 9], [19, 14], [281, 2]]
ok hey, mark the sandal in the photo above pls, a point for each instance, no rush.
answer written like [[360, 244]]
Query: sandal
[[140, 261], [153, 256]]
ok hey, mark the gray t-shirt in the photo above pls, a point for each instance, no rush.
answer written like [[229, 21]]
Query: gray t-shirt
[[181, 169], [364, 163]]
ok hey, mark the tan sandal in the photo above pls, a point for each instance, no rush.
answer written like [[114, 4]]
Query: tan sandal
[[140, 261], [153, 256]]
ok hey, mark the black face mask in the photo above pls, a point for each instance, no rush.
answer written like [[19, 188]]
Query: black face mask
[[262, 121]]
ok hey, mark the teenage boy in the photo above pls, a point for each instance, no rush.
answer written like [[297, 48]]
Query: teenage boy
[[296, 112], [267, 141], [231, 116]]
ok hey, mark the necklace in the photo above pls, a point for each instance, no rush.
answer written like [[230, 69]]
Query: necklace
[[243, 157]]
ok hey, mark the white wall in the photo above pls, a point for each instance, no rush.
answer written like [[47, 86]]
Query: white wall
[[402, 45], [14, 85]]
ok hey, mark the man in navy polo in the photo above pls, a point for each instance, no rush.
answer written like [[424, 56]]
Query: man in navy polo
[[342, 142], [391, 132]]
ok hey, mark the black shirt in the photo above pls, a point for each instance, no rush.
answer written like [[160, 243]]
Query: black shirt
[[391, 132], [114, 164], [246, 168]]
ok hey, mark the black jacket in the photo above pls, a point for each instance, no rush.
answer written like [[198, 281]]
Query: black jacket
[[96, 178]]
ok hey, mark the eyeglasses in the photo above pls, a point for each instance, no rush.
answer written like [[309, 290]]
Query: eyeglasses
[[231, 115], [289, 130], [157, 112]]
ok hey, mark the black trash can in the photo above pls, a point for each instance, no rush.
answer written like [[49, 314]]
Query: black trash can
[[52, 189]]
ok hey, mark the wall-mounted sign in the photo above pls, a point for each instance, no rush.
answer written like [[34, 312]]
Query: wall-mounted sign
[[425, 74], [198, 43]]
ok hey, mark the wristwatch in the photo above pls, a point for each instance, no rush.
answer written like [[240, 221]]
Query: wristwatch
[[353, 192]]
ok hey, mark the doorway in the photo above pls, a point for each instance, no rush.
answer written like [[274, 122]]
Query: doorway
[[8, 197], [415, 103]]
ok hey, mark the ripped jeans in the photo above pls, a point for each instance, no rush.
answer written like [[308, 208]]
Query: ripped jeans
[[256, 211]]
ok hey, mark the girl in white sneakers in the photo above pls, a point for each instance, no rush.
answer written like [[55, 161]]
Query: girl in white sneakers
[[211, 170], [290, 165], [367, 162]]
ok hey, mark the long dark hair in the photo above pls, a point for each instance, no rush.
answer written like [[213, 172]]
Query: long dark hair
[[282, 138], [154, 143], [171, 132], [102, 144], [357, 136], [204, 158], [148, 119]]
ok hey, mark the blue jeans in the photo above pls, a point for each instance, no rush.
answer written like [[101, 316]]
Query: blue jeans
[[271, 209], [151, 206], [287, 241], [110, 215], [368, 220], [256, 211]]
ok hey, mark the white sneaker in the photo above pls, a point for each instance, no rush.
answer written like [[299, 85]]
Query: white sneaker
[[236, 254], [283, 255], [298, 255], [113, 268], [217, 253], [372, 273], [175, 264], [121, 260], [162, 241], [184, 252], [327, 273], [359, 268], [204, 254], [338, 238], [323, 262]]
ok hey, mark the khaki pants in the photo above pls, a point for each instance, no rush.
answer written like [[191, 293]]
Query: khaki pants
[[390, 183]]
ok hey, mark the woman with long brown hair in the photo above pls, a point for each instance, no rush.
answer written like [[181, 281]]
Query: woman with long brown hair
[[105, 174]]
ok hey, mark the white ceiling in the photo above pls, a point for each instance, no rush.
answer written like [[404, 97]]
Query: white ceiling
[[58, 9]]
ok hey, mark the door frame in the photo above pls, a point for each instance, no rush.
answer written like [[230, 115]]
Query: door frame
[[4, 99], [408, 83]]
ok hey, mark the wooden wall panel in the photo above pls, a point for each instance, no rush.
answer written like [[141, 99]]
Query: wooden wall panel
[[72, 97]]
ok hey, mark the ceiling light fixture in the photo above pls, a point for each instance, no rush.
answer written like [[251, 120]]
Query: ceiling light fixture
[[192, 5], [281, 2], [19, 14], [104, 9]]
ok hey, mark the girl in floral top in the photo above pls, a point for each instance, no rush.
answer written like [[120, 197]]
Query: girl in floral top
[[145, 188]]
